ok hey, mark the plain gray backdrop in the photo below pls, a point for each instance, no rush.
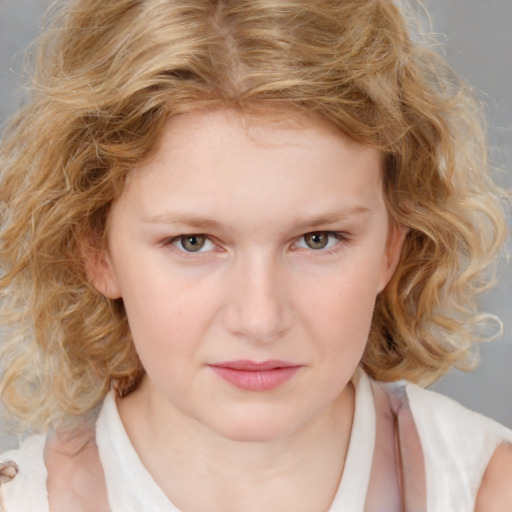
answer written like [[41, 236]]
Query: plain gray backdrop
[[476, 36]]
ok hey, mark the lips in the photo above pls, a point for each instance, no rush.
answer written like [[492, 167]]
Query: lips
[[256, 376]]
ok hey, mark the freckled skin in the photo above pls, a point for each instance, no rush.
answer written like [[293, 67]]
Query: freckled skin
[[293, 246], [253, 295]]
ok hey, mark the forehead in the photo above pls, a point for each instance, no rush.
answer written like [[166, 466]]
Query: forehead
[[206, 134], [231, 165]]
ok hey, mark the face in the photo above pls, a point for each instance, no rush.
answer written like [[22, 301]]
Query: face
[[249, 255]]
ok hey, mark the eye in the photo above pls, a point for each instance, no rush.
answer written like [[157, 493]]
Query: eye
[[193, 243], [319, 240]]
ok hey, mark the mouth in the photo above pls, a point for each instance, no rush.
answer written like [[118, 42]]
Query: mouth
[[256, 376]]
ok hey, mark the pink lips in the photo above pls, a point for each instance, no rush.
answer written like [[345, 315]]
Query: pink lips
[[253, 376]]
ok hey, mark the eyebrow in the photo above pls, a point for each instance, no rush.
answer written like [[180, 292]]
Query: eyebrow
[[196, 221], [332, 216], [184, 218]]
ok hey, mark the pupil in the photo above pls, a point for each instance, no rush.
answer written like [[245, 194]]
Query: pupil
[[193, 243], [316, 240]]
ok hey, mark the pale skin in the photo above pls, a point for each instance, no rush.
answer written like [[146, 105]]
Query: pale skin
[[245, 239], [495, 493]]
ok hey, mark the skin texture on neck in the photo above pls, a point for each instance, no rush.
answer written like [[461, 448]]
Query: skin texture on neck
[[200, 472]]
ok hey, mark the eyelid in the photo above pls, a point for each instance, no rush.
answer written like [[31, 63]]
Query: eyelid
[[340, 236], [174, 241]]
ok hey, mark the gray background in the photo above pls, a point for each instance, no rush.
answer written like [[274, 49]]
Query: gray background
[[477, 38]]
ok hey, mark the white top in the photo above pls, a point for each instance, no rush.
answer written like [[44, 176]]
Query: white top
[[131, 488], [457, 445]]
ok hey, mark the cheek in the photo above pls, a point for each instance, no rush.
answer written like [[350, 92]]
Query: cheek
[[340, 311], [169, 315], [165, 332]]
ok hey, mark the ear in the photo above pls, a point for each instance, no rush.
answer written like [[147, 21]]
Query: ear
[[99, 270], [394, 244]]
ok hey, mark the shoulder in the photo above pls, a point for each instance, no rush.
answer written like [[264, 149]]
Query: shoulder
[[495, 493], [435, 413], [29, 454], [463, 447], [24, 483]]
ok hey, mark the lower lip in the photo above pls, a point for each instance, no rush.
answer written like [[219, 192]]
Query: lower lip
[[256, 380]]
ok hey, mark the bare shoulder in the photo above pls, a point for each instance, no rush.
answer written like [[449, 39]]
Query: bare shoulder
[[495, 493]]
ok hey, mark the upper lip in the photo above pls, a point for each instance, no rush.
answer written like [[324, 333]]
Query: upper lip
[[248, 365]]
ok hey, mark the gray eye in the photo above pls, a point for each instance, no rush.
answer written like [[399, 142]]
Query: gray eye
[[317, 240], [193, 243]]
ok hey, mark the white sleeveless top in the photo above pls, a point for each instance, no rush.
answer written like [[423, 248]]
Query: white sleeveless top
[[457, 445]]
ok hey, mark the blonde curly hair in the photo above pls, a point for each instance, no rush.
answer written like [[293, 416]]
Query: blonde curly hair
[[109, 75]]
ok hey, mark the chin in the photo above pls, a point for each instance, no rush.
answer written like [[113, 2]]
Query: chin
[[253, 436], [259, 429]]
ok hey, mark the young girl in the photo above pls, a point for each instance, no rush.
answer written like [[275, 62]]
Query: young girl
[[225, 226]]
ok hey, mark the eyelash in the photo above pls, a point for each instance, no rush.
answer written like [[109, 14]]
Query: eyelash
[[341, 237], [338, 236], [181, 238]]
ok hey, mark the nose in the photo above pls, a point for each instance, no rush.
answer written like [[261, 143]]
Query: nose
[[259, 308]]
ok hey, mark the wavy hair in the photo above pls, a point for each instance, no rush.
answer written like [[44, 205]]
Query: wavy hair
[[107, 78]]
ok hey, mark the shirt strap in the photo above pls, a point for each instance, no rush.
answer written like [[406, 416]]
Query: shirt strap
[[397, 478], [76, 480]]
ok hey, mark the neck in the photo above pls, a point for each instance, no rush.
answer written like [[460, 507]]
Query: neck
[[202, 471]]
